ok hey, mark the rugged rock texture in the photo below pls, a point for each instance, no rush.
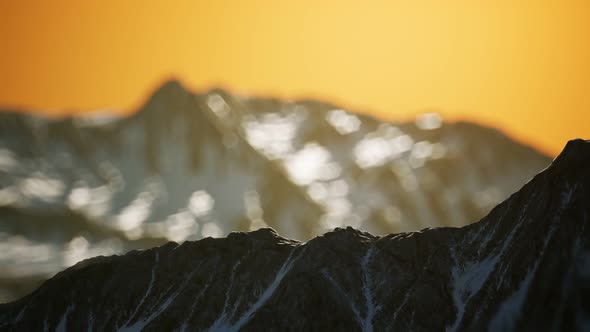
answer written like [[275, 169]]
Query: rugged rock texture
[[188, 166], [525, 266]]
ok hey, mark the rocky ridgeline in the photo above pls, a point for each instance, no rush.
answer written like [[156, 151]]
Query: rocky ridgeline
[[525, 266]]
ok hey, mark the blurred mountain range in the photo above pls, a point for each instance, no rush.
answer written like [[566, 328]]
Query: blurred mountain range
[[188, 166]]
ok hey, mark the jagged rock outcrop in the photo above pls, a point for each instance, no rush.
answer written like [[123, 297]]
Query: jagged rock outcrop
[[525, 266]]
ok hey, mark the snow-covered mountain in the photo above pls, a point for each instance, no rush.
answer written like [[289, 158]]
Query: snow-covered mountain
[[187, 166], [523, 267]]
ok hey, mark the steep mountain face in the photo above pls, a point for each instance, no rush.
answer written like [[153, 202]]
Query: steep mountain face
[[525, 266], [189, 166], [80, 187]]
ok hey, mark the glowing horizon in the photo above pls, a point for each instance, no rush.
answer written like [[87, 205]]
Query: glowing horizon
[[522, 68]]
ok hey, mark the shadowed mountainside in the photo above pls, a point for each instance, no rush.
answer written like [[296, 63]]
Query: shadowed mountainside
[[525, 266]]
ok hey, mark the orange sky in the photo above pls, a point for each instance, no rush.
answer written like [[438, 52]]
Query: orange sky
[[523, 66]]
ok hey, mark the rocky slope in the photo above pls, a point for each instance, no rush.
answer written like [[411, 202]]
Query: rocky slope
[[525, 266]]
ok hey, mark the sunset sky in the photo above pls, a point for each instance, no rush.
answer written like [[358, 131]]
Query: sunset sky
[[521, 66]]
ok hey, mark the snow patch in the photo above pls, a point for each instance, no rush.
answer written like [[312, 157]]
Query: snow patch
[[223, 318], [469, 278], [184, 325], [224, 325], [367, 285], [366, 322], [142, 323], [148, 291], [566, 196], [468, 282], [63, 322], [512, 306]]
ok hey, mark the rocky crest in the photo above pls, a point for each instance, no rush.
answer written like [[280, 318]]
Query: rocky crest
[[525, 266]]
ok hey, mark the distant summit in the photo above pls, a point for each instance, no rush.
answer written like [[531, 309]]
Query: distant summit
[[523, 267], [187, 166]]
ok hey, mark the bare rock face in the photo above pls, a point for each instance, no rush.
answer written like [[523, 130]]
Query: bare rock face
[[525, 266]]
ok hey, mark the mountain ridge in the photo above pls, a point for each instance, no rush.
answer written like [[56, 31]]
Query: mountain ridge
[[522, 267]]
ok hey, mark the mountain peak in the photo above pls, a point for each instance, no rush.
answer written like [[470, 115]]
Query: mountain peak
[[349, 234], [170, 98], [170, 86], [261, 235], [574, 156], [575, 147], [171, 92]]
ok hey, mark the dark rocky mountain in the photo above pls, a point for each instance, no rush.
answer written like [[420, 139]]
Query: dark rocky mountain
[[523, 267], [188, 166]]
